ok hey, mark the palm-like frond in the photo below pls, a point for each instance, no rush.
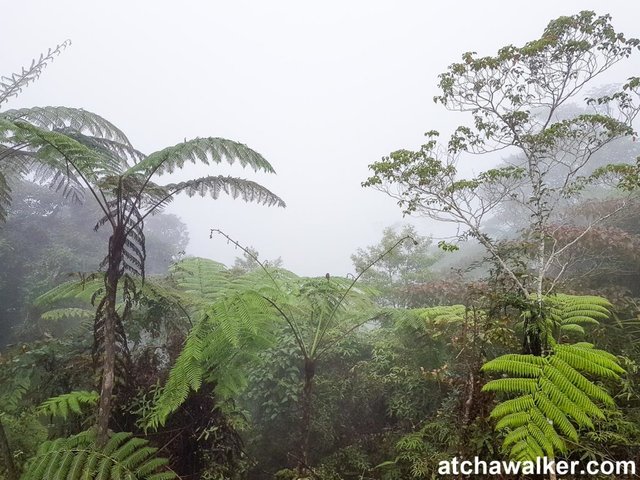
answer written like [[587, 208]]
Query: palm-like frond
[[213, 186], [572, 312], [120, 153], [66, 154], [69, 119], [206, 150], [78, 458], [554, 394], [85, 289], [240, 319]]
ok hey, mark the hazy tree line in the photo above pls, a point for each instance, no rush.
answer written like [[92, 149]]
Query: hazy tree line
[[515, 338]]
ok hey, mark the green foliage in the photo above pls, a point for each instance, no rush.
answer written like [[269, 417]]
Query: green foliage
[[22, 132], [77, 457], [572, 312], [63, 405], [199, 278], [228, 333], [553, 393], [553, 397], [25, 434], [441, 315], [515, 99], [64, 313], [205, 150]]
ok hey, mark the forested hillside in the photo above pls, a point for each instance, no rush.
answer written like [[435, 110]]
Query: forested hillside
[[514, 337]]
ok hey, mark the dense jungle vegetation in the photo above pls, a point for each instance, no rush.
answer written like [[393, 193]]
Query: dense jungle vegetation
[[516, 338]]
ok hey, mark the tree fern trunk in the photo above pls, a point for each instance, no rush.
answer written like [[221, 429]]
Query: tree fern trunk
[[110, 320], [307, 391], [7, 456]]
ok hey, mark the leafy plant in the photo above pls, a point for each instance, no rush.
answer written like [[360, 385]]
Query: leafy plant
[[514, 100], [553, 391], [63, 405], [79, 457]]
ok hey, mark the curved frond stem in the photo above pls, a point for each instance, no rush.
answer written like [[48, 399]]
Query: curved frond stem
[[364, 270], [291, 323]]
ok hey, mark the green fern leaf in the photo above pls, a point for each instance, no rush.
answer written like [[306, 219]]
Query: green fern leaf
[[78, 457]]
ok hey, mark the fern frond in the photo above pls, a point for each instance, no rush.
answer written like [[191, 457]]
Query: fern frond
[[512, 385], [67, 120], [78, 458], [513, 420], [226, 336], [553, 393], [572, 328], [206, 150], [572, 312], [83, 289], [200, 278], [63, 405], [442, 314], [213, 186], [58, 314], [63, 153], [185, 376], [590, 360]]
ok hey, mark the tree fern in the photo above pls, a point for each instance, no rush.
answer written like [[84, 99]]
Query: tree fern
[[127, 196], [23, 149], [79, 458], [76, 148]]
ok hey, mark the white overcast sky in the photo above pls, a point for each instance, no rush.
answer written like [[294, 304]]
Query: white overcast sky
[[321, 89]]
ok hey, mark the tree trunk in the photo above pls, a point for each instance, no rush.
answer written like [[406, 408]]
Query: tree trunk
[[112, 277], [307, 391], [7, 456]]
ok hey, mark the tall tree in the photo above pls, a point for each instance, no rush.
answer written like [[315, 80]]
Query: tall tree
[[514, 100], [313, 311], [120, 179]]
